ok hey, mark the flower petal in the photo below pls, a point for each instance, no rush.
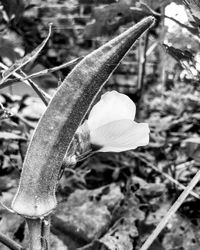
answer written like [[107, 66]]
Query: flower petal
[[112, 106], [122, 135]]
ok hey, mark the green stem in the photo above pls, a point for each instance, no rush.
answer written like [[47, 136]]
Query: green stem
[[45, 97], [10, 243], [34, 226], [38, 91], [46, 232], [51, 70], [39, 231]]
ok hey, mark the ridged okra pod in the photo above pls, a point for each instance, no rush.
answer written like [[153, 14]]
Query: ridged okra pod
[[36, 193]]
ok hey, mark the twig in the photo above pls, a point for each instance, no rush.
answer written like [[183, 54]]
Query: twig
[[149, 10], [185, 164], [46, 232], [51, 70], [9, 82], [37, 90], [10, 243], [190, 29], [143, 50], [151, 48], [171, 211], [142, 69], [40, 91], [26, 59], [164, 174]]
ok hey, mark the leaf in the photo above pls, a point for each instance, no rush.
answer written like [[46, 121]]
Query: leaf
[[31, 56], [120, 241], [183, 234], [184, 57], [34, 108], [124, 229], [179, 55], [192, 147], [86, 213], [152, 190], [56, 243]]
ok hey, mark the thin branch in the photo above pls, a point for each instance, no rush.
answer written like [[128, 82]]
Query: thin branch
[[151, 48], [51, 70], [171, 211], [142, 69], [143, 49], [46, 232], [170, 178], [37, 90], [9, 82], [26, 78], [188, 28], [192, 30], [40, 91], [10, 243], [26, 59]]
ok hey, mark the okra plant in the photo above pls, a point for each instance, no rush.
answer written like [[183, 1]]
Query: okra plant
[[52, 140]]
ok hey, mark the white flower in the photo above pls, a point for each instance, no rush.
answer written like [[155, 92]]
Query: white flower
[[112, 127]]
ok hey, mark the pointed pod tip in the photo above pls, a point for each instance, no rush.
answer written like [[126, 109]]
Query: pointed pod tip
[[147, 21], [139, 28], [150, 19]]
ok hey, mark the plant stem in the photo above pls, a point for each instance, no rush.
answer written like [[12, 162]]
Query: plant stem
[[10, 243], [46, 71], [192, 30], [34, 226], [171, 211], [73, 62], [142, 60], [142, 68], [46, 232], [39, 91], [39, 231]]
